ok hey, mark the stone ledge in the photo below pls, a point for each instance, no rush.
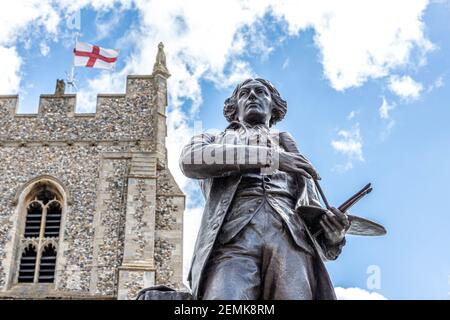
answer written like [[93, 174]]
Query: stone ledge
[[134, 176], [137, 267], [170, 194], [39, 143]]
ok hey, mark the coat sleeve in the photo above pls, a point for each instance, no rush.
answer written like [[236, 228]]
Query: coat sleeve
[[329, 251], [203, 158]]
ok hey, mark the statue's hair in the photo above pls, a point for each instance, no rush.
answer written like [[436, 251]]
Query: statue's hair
[[230, 108]]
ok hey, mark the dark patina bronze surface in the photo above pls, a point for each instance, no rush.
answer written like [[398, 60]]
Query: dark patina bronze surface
[[264, 233], [252, 243]]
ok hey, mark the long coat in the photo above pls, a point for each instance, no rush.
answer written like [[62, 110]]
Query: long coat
[[219, 182]]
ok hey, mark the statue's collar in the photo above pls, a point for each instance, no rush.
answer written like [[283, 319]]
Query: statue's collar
[[234, 125]]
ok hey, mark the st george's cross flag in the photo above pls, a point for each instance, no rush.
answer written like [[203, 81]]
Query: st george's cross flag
[[92, 56]]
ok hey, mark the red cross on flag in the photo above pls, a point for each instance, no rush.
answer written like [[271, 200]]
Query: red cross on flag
[[91, 56]]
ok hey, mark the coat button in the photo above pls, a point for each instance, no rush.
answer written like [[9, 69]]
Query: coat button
[[266, 179], [266, 187], [215, 226], [251, 209], [225, 201], [259, 201]]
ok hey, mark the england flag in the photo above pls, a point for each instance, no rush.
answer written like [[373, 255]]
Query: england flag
[[91, 56]]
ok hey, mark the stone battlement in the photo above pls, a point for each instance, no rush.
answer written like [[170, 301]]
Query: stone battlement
[[136, 116]]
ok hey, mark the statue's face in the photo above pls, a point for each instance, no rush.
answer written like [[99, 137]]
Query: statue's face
[[254, 103]]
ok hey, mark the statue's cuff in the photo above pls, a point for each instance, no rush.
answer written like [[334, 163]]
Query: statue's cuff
[[332, 251]]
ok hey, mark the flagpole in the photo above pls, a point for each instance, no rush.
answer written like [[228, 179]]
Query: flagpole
[[72, 69]]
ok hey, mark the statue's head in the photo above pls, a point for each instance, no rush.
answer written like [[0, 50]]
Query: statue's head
[[255, 101]]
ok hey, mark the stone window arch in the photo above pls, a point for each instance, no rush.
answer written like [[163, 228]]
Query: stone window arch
[[42, 203]]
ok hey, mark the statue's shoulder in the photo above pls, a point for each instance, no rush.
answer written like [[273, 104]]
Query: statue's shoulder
[[282, 136], [205, 136]]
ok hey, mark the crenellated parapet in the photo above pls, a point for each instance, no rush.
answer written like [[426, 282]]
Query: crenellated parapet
[[132, 116], [136, 116]]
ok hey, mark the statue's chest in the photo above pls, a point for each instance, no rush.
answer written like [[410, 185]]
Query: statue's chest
[[249, 137]]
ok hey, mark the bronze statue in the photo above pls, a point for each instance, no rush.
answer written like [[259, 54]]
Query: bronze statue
[[253, 242]]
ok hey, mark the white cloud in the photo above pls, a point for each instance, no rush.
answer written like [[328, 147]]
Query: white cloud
[[385, 108], [405, 87], [192, 219], [98, 5], [198, 45], [10, 63], [44, 48], [354, 45], [359, 40], [349, 143], [388, 122], [438, 83], [352, 114], [105, 22], [285, 64], [16, 17], [178, 134], [357, 294]]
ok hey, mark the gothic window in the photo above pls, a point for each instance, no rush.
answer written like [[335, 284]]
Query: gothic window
[[48, 262], [44, 207], [27, 264], [34, 218], [53, 219]]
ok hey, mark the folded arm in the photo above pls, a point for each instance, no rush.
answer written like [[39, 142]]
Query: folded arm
[[203, 158]]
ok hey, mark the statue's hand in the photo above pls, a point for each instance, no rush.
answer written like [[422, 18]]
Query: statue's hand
[[335, 224], [294, 162]]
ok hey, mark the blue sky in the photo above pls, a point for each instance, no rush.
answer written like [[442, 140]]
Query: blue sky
[[367, 91]]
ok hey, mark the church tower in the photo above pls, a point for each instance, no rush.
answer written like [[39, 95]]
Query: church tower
[[88, 206]]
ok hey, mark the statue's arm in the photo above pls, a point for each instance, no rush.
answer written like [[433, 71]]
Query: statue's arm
[[330, 251], [202, 158]]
